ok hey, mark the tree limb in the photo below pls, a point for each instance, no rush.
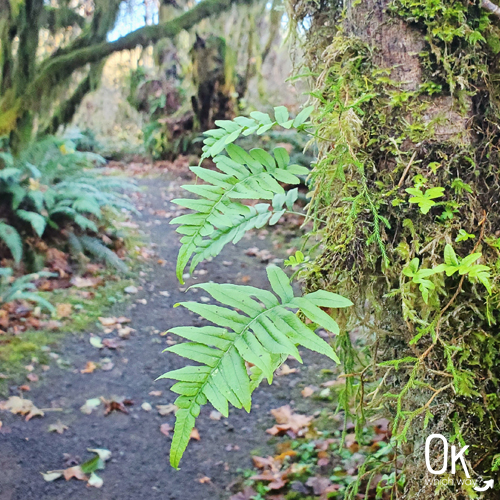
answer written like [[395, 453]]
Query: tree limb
[[491, 7], [61, 66]]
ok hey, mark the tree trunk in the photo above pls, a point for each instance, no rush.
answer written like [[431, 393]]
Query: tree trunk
[[407, 99]]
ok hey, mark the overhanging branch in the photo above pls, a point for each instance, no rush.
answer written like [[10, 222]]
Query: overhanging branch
[[60, 67], [491, 7]]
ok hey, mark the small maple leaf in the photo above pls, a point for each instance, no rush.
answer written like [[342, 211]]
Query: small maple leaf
[[58, 427]]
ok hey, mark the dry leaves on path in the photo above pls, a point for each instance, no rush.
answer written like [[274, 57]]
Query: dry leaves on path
[[116, 404], [289, 422], [58, 427], [80, 282], [21, 406], [84, 472], [166, 409]]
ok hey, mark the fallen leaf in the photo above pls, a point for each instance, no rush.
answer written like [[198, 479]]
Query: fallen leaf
[[124, 332], [165, 429], [276, 479], [156, 393], [195, 434], [74, 472], [307, 391], [117, 404], [18, 405], [103, 453], [96, 341], [319, 484], [285, 370], [289, 422], [204, 479], [58, 427], [107, 321], [165, 293], [146, 406], [90, 405], [52, 475], [89, 367], [32, 377], [247, 494], [166, 409], [131, 290], [106, 364], [215, 415], [95, 480], [64, 310], [80, 282], [113, 343], [24, 387]]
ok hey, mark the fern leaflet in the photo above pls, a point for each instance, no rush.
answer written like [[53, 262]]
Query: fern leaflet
[[253, 176], [263, 334]]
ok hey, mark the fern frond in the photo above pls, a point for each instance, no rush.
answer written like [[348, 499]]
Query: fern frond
[[258, 123], [12, 239], [263, 334], [252, 176], [100, 251]]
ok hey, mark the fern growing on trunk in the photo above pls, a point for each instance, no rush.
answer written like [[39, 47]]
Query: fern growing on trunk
[[251, 326]]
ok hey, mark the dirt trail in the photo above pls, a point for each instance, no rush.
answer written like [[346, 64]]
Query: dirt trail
[[139, 467]]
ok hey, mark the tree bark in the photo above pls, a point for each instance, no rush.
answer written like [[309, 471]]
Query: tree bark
[[402, 104]]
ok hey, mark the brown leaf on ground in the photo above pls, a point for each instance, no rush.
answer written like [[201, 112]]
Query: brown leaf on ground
[[289, 422], [21, 406], [247, 494], [166, 409], [64, 310], [80, 282], [307, 391], [165, 429], [113, 343], [276, 479], [58, 427], [75, 472], [195, 434], [57, 261], [118, 404], [284, 369], [204, 480], [24, 387], [89, 367], [319, 484], [155, 393], [32, 377]]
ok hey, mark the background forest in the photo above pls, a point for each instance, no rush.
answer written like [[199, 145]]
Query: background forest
[[249, 250]]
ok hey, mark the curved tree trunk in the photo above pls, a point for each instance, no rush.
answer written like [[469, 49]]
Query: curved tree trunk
[[408, 180]]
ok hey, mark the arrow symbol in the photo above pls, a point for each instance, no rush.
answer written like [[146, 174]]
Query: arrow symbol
[[487, 486]]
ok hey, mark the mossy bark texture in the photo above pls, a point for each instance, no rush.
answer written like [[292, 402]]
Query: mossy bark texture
[[408, 128]]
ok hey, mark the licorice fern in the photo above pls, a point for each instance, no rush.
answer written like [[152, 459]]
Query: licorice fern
[[219, 216], [256, 327], [264, 333]]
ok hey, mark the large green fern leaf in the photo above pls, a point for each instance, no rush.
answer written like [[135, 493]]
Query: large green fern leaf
[[264, 332], [251, 176]]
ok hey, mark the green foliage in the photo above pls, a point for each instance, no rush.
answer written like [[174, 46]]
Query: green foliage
[[22, 288], [219, 215], [258, 123], [53, 187], [425, 201], [264, 334], [256, 326]]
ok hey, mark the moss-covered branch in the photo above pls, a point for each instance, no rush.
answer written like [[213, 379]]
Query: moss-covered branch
[[59, 67], [65, 112]]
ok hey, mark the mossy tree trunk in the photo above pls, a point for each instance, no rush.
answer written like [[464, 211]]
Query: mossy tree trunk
[[408, 179]]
